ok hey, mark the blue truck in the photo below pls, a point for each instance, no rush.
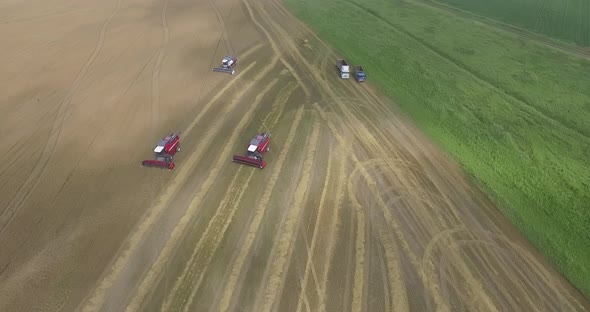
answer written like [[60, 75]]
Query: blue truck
[[359, 73]]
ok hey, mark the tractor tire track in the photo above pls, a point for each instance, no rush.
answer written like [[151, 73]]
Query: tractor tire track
[[155, 108], [221, 20], [105, 126], [60, 239], [358, 304], [32, 180], [303, 295], [324, 85], [289, 46], [486, 266], [154, 213], [397, 288], [276, 49], [417, 184], [111, 59], [349, 272], [388, 217], [387, 305], [404, 175], [281, 101], [395, 227], [472, 300], [462, 269], [237, 268], [529, 262], [21, 152], [447, 279], [27, 50], [20, 148], [482, 260], [312, 247], [360, 240], [281, 256], [347, 115], [333, 229], [383, 140]]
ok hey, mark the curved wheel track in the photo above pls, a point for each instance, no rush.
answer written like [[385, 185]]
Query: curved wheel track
[[355, 211]]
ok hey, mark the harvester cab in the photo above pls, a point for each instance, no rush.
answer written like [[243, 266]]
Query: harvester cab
[[254, 153], [164, 152], [227, 65], [257, 147]]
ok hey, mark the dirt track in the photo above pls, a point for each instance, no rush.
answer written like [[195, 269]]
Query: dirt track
[[355, 210]]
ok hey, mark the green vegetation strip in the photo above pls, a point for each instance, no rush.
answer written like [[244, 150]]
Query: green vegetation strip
[[567, 20], [516, 115]]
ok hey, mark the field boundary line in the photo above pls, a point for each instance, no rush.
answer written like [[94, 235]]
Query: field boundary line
[[501, 92], [512, 29]]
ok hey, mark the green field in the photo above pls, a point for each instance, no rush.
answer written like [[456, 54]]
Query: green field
[[568, 20], [515, 114]]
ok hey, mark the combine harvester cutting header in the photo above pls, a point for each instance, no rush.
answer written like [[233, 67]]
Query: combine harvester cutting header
[[227, 65], [164, 151], [257, 147]]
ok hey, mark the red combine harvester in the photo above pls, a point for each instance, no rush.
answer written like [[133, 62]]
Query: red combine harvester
[[258, 146], [164, 151]]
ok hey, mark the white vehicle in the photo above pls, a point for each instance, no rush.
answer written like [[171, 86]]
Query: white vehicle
[[343, 68], [227, 65]]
